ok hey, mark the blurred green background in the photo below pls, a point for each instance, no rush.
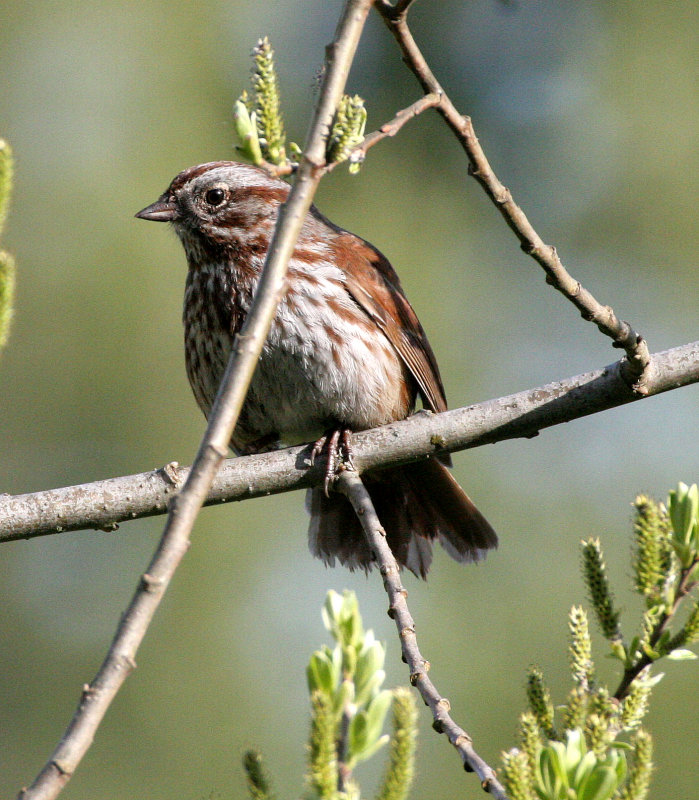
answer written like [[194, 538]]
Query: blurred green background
[[587, 111]]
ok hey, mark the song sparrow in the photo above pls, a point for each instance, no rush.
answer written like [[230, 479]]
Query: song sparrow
[[345, 351]]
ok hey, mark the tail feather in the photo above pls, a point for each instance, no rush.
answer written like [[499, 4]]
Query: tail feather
[[416, 504]]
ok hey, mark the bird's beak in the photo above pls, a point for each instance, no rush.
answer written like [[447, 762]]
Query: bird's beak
[[163, 210]]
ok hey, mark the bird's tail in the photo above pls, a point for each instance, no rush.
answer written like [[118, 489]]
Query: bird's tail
[[416, 504]]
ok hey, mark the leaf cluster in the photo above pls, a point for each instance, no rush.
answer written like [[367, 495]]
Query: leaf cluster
[[259, 123], [585, 759], [666, 572], [348, 713]]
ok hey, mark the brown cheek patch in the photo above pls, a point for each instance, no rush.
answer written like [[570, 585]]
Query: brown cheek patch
[[233, 218]]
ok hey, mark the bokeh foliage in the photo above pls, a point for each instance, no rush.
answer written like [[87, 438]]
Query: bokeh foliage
[[7, 264]]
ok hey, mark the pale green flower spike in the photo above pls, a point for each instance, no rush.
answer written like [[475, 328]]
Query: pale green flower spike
[[540, 700], [401, 764], [257, 116], [580, 649], [258, 782], [517, 776], [595, 572], [639, 775], [6, 173], [270, 126], [653, 548], [322, 766]]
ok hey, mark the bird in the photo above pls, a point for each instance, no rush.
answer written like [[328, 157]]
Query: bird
[[345, 352]]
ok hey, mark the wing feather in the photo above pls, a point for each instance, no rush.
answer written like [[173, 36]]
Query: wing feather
[[375, 287]]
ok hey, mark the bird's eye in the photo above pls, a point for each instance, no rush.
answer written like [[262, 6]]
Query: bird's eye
[[214, 197]]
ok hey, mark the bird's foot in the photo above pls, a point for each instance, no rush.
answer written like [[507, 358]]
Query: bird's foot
[[337, 446]]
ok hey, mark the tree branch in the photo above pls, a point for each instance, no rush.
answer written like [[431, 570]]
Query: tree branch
[[350, 484], [622, 334], [103, 504], [185, 506]]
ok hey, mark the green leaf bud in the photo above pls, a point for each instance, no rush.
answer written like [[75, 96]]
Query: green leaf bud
[[599, 785], [683, 507], [246, 130], [323, 672], [369, 673]]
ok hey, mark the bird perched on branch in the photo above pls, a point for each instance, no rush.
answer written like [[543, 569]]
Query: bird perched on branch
[[345, 352]]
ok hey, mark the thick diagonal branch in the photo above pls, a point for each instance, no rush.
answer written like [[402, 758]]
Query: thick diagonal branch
[[184, 508], [623, 335]]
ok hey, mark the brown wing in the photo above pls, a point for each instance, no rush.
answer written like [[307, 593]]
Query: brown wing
[[375, 287]]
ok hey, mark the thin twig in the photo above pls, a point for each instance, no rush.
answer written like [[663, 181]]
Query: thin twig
[[350, 484], [184, 508], [102, 505], [686, 585], [622, 334]]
